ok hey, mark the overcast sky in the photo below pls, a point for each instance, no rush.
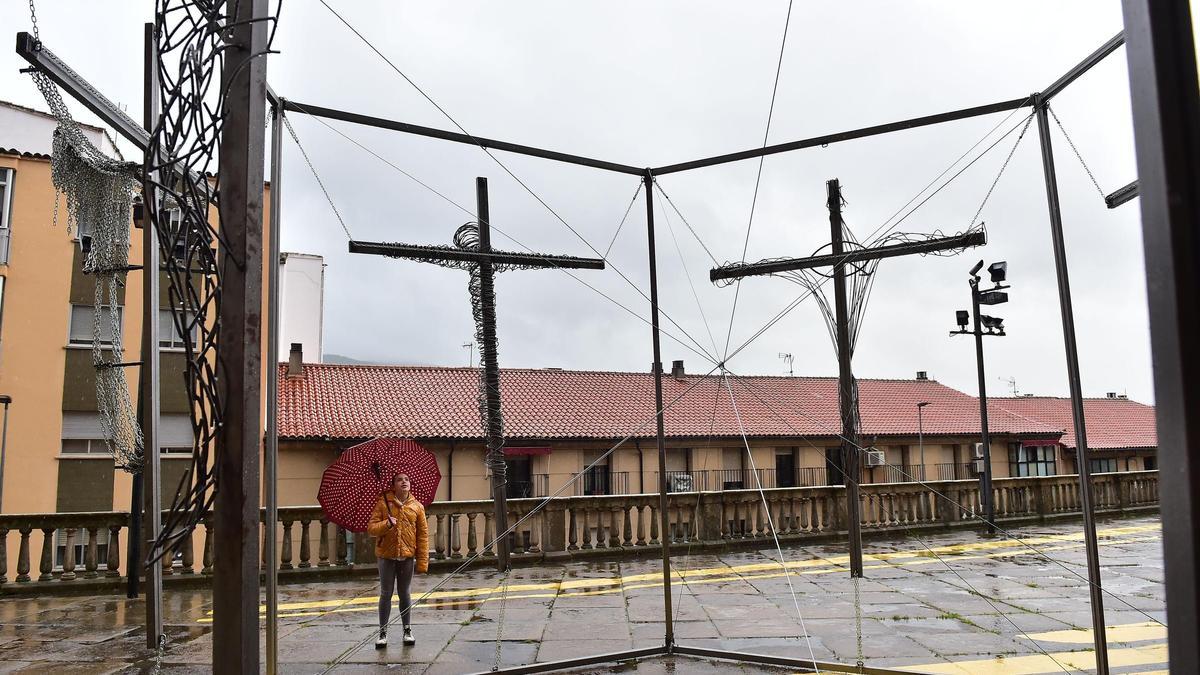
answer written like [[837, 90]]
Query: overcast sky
[[657, 83]]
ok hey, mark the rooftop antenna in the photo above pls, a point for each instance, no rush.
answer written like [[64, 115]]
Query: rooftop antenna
[[787, 358], [470, 347], [1012, 384]]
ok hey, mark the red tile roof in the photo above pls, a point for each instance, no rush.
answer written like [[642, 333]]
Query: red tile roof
[[357, 401], [1112, 423]]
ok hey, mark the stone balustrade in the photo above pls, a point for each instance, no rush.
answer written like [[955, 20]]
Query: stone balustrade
[[82, 550]]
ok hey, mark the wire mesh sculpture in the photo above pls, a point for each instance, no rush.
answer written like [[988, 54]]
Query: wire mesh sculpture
[[182, 154], [99, 190]]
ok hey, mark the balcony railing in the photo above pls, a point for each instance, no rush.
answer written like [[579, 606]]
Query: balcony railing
[[82, 550], [952, 471]]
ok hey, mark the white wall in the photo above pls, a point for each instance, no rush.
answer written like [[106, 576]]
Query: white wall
[[27, 130], [302, 304]]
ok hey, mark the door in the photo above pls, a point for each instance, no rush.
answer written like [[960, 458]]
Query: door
[[833, 467], [785, 469], [520, 477]]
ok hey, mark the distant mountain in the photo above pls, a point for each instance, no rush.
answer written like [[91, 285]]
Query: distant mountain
[[346, 360]]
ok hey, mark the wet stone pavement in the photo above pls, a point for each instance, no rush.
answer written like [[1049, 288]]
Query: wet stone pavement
[[947, 603]]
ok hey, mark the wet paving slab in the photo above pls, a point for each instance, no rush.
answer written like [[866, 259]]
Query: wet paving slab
[[952, 602]]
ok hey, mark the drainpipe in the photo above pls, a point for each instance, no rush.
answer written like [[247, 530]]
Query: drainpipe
[[641, 467], [450, 473]]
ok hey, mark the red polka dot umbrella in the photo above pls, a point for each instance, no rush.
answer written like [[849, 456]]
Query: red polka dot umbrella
[[351, 485]]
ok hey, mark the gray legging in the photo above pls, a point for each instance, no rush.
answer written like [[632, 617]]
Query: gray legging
[[391, 571]]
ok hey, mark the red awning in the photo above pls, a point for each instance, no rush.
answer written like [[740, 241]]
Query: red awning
[[1037, 442], [519, 452]]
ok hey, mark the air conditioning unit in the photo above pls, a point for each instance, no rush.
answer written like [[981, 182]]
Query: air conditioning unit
[[876, 458], [978, 451]]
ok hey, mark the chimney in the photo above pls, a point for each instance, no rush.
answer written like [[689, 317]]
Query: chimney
[[295, 366], [677, 370], [1112, 394], [922, 375]]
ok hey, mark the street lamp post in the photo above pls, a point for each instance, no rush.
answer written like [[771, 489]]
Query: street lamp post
[[995, 326], [921, 436], [5, 400]]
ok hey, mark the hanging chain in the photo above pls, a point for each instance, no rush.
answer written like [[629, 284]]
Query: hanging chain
[[1001, 172], [287, 123], [1076, 151], [858, 624], [37, 40], [500, 621]]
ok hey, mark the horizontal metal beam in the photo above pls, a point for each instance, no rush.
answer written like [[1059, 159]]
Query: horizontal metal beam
[[608, 657], [847, 135], [78, 88], [404, 127], [1122, 195], [806, 665], [1084, 66], [446, 253], [739, 270]]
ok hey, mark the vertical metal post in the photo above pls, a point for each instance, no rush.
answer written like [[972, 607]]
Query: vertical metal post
[[1166, 105], [239, 436], [1081, 452], [847, 389], [491, 370], [149, 372], [660, 436], [271, 449], [985, 486]]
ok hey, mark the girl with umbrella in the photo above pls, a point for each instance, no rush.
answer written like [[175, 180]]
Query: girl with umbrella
[[402, 547]]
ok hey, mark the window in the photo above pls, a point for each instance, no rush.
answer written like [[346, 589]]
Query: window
[[169, 335], [1030, 460], [1102, 465], [84, 446], [6, 182], [82, 324], [1149, 463]]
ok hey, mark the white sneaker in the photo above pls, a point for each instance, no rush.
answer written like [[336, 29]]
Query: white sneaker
[[408, 637], [382, 641]]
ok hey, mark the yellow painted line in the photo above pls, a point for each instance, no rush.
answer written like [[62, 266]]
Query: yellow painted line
[[346, 606], [1130, 632], [585, 587], [1035, 664]]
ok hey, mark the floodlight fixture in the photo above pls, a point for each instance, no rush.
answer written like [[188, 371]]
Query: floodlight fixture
[[962, 316], [999, 271], [992, 323], [975, 270]]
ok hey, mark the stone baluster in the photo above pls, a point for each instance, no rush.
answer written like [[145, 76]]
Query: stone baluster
[[68, 566], [727, 517], [439, 537], [113, 563], [455, 540], [654, 525], [489, 535], [90, 564], [472, 537], [46, 566], [572, 531], [206, 555], [614, 528], [305, 544], [167, 561], [187, 555], [340, 543], [23, 556], [587, 530], [285, 550], [323, 544], [627, 527], [535, 533], [641, 525]]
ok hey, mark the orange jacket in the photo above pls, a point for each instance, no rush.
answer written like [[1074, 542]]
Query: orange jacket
[[408, 538]]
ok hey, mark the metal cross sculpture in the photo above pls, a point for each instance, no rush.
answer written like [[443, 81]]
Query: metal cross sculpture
[[844, 327], [472, 251]]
